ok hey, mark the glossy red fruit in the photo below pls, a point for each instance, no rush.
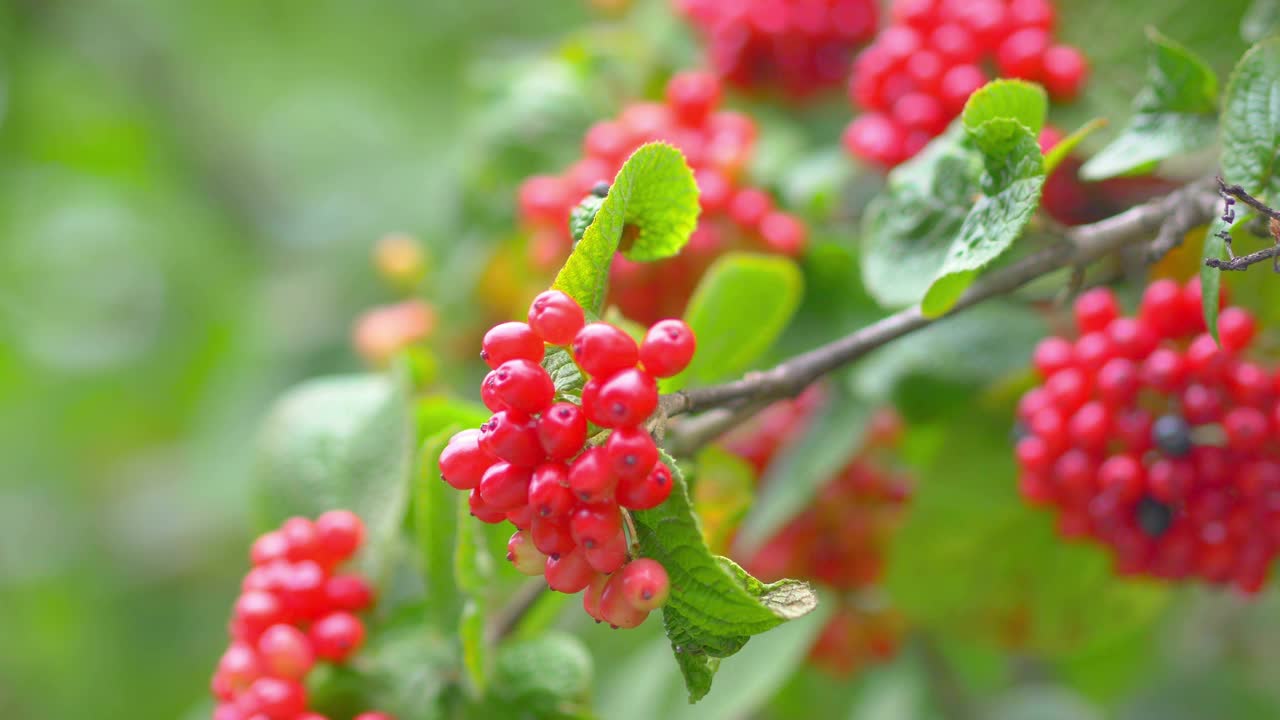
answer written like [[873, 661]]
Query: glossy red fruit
[[590, 476], [240, 666], [955, 43], [1031, 13], [627, 398], [1095, 309], [615, 609], [549, 493], [551, 535], [521, 517], [279, 698], [1246, 428], [505, 487], [592, 526], [645, 584], [958, 84], [1236, 328], [255, 611], [523, 386], [610, 556], [1064, 71], [286, 652], [511, 341], [601, 350], [630, 452], [463, 461], [522, 554], [512, 437], [783, 233], [269, 547], [302, 539], [692, 96], [337, 636], [341, 533], [562, 431], [303, 589], [876, 138], [1051, 355], [481, 511], [1022, 54], [228, 711], [543, 199], [749, 206], [555, 317], [647, 492], [570, 572], [348, 592]]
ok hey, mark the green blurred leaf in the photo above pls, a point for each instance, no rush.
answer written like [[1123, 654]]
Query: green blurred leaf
[[894, 692], [547, 674], [1042, 702], [1059, 152], [473, 571], [1008, 99], [715, 606], [729, 338], [655, 194], [434, 522], [435, 413], [722, 495], [1211, 278], [805, 466], [340, 442], [1174, 113], [407, 670], [1010, 193], [1260, 20], [1251, 121]]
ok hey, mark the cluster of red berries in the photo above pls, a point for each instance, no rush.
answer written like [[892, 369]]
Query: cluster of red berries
[[293, 611], [717, 144], [841, 539], [531, 463], [800, 46], [1149, 437], [922, 69]]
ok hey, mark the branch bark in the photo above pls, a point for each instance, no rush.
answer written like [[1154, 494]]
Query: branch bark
[[1169, 218]]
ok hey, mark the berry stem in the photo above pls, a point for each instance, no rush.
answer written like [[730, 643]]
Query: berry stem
[[633, 539], [1169, 217]]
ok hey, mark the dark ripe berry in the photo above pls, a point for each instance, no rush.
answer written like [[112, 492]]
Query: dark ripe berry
[[302, 539], [630, 452], [1131, 339], [749, 206], [1165, 370], [1246, 428], [1064, 72], [549, 493], [481, 511], [269, 547], [600, 190], [521, 517], [348, 592], [1090, 426], [594, 525], [692, 96], [1068, 389], [1118, 382], [1153, 517], [511, 341], [278, 698], [562, 431], [551, 536], [505, 487], [602, 349], [1236, 328], [555, 317], [524, 555], [1122, 476], [255, 611], [591, 598], [1162, 310], [782, 233], [286, 652], [590, 476], [610, 556], [1095, 309], [463, 461], [512, 437], [647, 492], [570, 572], [645, 584], [1051, 355], [337, 636], [1171, 435], [1022, 54], [240, 666], [523, 386], [614, 607], [625, 399]]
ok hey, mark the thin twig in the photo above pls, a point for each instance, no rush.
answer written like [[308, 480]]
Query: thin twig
[[1242, 262], [1171, 216], [1238, 192], [513, 612]]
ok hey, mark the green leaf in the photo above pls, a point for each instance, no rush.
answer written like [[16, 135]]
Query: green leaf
[[1175, 113], [722, 495], [434, 522], [654, 194], [805, 466], [1010, 185], [715, 606], [1059, 152], [565, 374], [1251, 122], [729, 339], [407, 671], [473, 570], [1211, 278], [1007, 99], [1260, 20], [543, 675], [340, 442]]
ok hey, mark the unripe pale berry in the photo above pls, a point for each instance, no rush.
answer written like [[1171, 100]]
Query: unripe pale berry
[[524, 556]]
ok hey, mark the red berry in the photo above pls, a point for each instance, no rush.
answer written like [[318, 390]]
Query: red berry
[[1131, 338], [303, 589], [647, 492], [608, 141], [463, 462], [1246, 428], [1236, 328], [614, 607], [958, 84], [523, 386], [1022, 54], [1118, 382], [925, 69], [667, 348], [602, 350], [919, 14], [482, 511], [286, 652], [348, 592], [255, 611], [269, 547], [1069, 389], [988, 20], [551, 536], [228, 711], [1090, 425], [875, 138], [628, 398], [749, 206], [1161, 308], [1092, 351], [524, 556], [630, 452], [783, 233], [918, 111], [591, 478], [1205, 360], [511, 341], [1201, 404], [278, 698], [594, 525], [1033, 454], [373, 716], [1051, 355], [240, 666], [1064, 71], [341, 533], [513, 437], [303, 541], [562, 431], [645, 584], [549, 492], [489, 395], [610, 556], [521, 517], [544, 200], [1250, 384], [570, 572], [956, 44], [1165, 370], [1095, 309], [336, 636], [555, 317], [692, 96], [505, 487], [1031, 13]]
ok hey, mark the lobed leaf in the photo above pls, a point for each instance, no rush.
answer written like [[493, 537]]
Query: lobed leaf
[[1017, 100], [1251, 122]]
